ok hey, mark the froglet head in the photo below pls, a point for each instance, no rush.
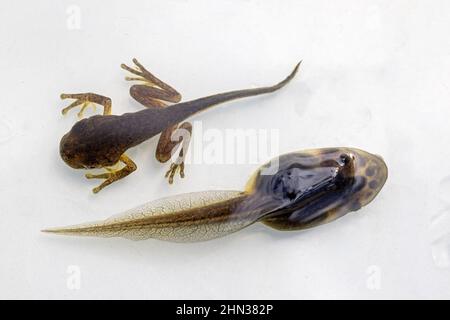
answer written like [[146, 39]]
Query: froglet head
[[313, 187], [87, 146], [69, 152]]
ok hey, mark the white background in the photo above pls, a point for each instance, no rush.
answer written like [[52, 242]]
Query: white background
[[375, 75]]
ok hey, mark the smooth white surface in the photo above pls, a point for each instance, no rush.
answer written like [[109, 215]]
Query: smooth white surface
[[375, 75]]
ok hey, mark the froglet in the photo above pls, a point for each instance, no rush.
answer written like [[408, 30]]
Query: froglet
[[293, 191], [101, 141]]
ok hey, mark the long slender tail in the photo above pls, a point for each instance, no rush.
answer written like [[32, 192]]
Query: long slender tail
[[189, 108], [185, 217]]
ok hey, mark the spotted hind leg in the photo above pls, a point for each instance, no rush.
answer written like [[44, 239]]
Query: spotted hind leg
[[174, 137], [152, 92]]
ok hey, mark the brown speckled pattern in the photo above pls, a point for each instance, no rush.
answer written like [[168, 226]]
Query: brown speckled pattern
[[309, 188], [100, 141], [370, 174]]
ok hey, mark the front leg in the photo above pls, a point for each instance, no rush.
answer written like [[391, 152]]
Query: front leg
[[113, 175], [85, 99], [168, 143]]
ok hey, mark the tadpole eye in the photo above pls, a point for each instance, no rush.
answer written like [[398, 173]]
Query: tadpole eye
[[346, 171], [346, 159]]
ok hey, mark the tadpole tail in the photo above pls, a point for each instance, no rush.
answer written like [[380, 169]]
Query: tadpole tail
[[189, 217]]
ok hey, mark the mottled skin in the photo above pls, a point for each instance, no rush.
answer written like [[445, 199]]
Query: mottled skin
[[321, 185], [101, 141], [306, 189]]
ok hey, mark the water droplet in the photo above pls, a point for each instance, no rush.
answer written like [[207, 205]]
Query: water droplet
[[437, 218], [6, 131], [440, 250]]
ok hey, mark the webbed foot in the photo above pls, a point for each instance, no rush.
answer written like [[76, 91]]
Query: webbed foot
[[153, 92], [113, 175], [173, 170], [86, 99]]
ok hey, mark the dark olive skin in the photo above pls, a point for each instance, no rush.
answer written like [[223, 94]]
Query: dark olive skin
[[318, 186], [101, 141]]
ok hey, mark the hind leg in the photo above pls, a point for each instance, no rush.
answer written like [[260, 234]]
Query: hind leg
[[152, 92], [170, 140]]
